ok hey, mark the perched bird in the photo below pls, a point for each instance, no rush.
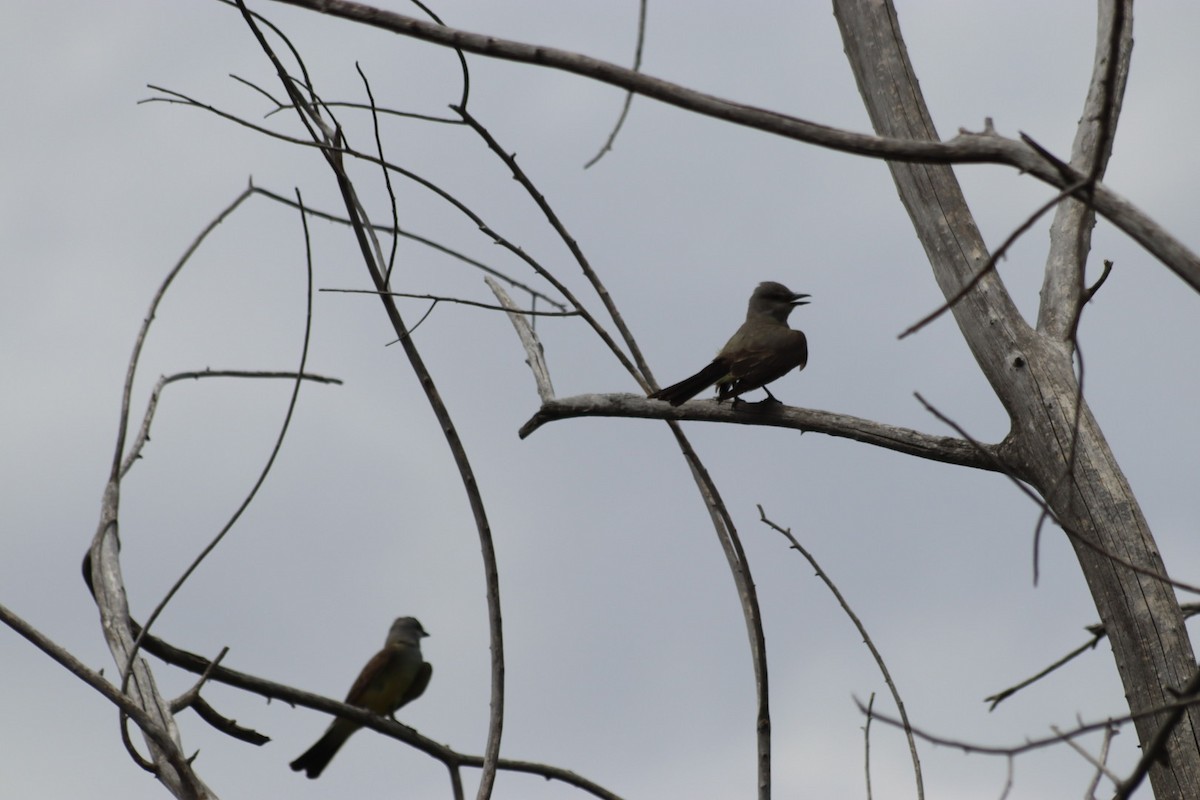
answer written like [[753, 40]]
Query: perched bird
[[395, 676], [763, 349]]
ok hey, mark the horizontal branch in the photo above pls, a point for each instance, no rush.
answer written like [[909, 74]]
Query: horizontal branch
[[946, 449], [966, 148], [200, 665]]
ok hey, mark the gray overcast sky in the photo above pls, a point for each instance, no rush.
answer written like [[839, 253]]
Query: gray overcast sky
[[627, 657]]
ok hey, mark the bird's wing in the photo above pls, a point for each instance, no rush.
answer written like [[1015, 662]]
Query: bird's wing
[[756, 367], [386, 678], [424, 673]]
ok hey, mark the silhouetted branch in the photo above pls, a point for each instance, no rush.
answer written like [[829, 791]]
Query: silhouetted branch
[[962, 149], [868, 641]]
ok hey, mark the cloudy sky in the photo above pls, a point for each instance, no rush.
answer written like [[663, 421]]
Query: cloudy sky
[[626, 653]]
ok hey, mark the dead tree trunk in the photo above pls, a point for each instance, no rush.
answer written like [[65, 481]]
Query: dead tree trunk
[[1053, 446]]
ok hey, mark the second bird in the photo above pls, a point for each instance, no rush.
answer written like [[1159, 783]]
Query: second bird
[[762, 350], [395, 676]]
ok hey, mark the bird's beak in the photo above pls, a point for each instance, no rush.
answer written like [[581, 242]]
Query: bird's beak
[[800, 299]]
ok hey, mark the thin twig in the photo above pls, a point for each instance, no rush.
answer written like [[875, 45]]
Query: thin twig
[[198, 664], [999, 697], [1033, 744], [723, 524], [1101, 769], [430, 243], [1050, 515], [387, 176], [266, 469], [1010, 767], [373, 260], [637, 67], [1098, 632], [143, 436], [972, 148], [535, 355], [227, 726], [867, 744], [458, 300], [629, 364], [1157, 748], [190, 696], [1095, 287], [391, 112], [867, 640], [102, 574], [990, 264]]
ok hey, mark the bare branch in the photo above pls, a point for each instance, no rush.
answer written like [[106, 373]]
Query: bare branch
[[1095, 287], [723, 525], [1047, 513], [460, 301], [266, 469], [635, 367], [191, 695], [387, 179], [1098, 632], [430, 243], [1028, 745], [534, 352], [1109, 735], [867, 744], [902, 440], [227, 726], [373, 260], [1158, 749], [135, 451], [999, 697], [1071, 231], [637, 67], [990, 264], [963, 149], [102, 573], [867, 640], [195, 663], [1101, 769]]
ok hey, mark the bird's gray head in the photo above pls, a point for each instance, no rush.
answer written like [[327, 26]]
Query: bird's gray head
[[775, 299], [406, 630]]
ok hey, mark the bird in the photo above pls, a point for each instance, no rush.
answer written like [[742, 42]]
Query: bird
[[396, 675], [763, 349]]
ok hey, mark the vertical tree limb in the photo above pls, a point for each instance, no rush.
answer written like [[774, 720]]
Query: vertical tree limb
[[1054, 435]]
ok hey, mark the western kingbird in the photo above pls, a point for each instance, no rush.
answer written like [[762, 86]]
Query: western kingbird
[[395, 676], [763, 349]]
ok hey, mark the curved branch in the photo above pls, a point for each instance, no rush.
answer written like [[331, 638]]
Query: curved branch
[[946, 449], [723, 524], [376, 266], [637, 66], [867, 640], [1063, 292], [271, 690], [297, 380], [143, 435], [962, 149], [102, 572]]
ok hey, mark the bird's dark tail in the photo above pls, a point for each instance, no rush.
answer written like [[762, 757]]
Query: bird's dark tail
[[679, 393], [316, 758]]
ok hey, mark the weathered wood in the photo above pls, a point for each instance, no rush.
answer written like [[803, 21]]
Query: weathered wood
[[1032, 373]]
